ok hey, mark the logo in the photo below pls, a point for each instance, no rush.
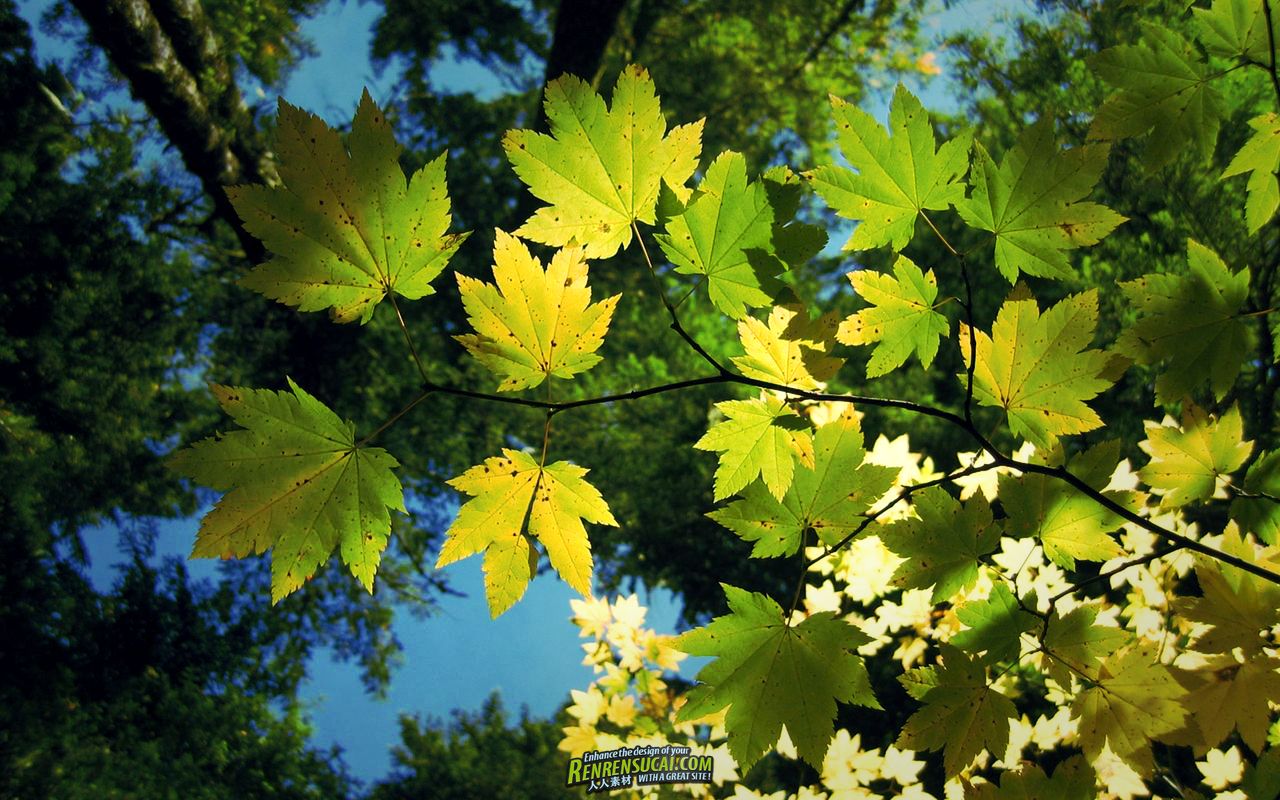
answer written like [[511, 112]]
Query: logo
[[627, 767]]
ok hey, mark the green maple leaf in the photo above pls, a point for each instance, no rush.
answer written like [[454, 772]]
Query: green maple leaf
[[1034, 367], [534, 323], [1187, 461], [1073, 779], [1163, 85], [828, 499], [1068, 524], [1260, 515], [601, 168], [296, 482], [1033, 203], [1238, 605], [994, 625], [899, 173], [1133, 699], [902, 318], [1075, 644], [1193, 322], [1260, 157], [1233, 28], [771, 673], [513, 499], [962, 715], [760, 437], [344, 228], [734, 233], [1228, 695], [942, 544]]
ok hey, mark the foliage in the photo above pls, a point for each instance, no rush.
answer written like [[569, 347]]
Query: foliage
[[1121, 687], [159, 686], [480, 754], [1069, 599]]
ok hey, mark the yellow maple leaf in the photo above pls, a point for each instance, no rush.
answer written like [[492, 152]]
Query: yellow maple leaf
[[513, 498]]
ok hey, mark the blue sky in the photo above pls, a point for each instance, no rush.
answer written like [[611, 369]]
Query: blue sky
[[454, 660]]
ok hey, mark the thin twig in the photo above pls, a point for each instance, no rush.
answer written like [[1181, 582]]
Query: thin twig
[[422, 371], [1102, 576]]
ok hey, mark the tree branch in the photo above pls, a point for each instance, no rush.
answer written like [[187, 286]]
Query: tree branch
[[133, 39]]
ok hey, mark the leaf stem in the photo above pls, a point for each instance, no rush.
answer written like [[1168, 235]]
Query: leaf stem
[[422, 371]]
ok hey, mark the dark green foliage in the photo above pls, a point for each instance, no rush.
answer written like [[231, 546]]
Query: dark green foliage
[[477, 755]]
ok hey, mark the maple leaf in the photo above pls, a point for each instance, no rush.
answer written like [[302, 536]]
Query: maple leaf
[[828, 499], [770, 673], [1163, 85], [1193, 322], [942, 544], [1260, 157], [760, 437], [1133, 699], [899, 173], [513, 498], [733, 233], [601, 168], [534, 323], [1238, 605], [1069, 524], [344, 228], [1186, 461], [790, 350], [902, 318], [1072, 780], [1033, 366], [1225, 696], [1032, 203], [994, 625], [1075, 643], [1260, 515], [297, 482], [962, 715], [1233, 28]]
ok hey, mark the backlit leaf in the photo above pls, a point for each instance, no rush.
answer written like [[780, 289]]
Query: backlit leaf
[[899, 173], [1260, 157], [1226, 696], [943, 543], [994, 626], [1133, 700], [1239, 606], [1187, 460], [1260, 515], [601, 167], [296, 482], [534, 323], [827, 499], [760, 437], [1191, 322], [902, 317], [732, 233], [1035, 367], [770, 673], [513, 498], [1163, 85], [1033, 203], [962, 715], [1068, 524], [790, 350], [344, 228]]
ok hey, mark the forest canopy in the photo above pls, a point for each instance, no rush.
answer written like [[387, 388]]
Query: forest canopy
[[952, 428]]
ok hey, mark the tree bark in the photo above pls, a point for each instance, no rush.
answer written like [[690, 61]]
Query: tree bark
[[217, 151], [582, 32]]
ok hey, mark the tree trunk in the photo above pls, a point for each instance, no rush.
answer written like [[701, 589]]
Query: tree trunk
[[218, 150]]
